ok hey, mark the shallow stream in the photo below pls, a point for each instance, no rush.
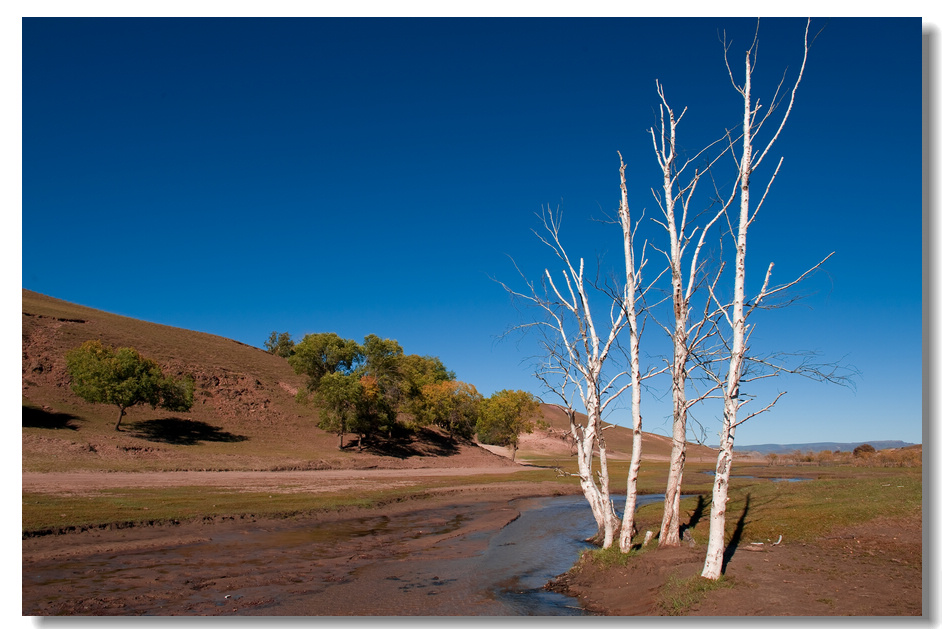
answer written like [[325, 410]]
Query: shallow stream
[[437, 561], [543, 542]]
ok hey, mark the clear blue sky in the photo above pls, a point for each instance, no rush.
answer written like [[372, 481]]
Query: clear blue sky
[[238, 176]]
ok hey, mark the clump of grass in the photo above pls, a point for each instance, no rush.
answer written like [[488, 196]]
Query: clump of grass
[[611, 557], [679, 595]]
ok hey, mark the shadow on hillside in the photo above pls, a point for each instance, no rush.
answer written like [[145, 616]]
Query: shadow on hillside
[[39, 418], [421, 443], [184, 432]]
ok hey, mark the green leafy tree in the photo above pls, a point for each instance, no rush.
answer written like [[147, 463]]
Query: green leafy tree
[[505, 416], [337, 397], [103, 375], [318, 355], [351, 403], [374, 413], [452, 405], [416, 372], [382, 359], [280, 344]]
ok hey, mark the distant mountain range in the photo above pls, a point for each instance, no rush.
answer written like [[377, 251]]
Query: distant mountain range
[[780, 448]]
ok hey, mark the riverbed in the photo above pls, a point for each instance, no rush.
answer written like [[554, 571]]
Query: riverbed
[[468, 559]]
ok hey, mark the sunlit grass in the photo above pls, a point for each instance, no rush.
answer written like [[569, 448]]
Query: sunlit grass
[[760, 510], [679, 595], [805, 510], [652, 478], [50, 512]]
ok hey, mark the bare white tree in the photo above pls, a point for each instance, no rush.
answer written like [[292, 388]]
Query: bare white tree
[[735, 313], [575, 354], [633, 294], [682, 222]]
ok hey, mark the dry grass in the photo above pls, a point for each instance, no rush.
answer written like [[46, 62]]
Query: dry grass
[[52, 513]]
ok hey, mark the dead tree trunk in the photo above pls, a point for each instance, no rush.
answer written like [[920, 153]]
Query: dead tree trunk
[[574, 366], [736, 312], [674, 199], [632, 293]]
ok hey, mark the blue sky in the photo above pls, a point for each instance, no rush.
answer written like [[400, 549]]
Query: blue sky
[[238, 176]]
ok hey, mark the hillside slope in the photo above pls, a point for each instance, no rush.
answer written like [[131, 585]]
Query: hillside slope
[[553, 442], [245, 416]]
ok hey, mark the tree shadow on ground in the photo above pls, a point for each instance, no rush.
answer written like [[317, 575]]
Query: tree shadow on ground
[[737, 535], [695, 517], [40, 418], [422, 443], [176, 431]]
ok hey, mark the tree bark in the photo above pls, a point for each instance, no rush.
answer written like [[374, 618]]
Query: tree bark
[[713, 565], [632, 285], [716, 546], [117, 425], [670, 521]]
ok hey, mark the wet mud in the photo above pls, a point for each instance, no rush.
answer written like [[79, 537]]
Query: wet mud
[[468, 558]]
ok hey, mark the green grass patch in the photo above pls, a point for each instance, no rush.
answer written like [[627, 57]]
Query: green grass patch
[[125, 507], [760, 510], [50, 512], [652, 478], [803, 511], [679, 595], [611, 557]]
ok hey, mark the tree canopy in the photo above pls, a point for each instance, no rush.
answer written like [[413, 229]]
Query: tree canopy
[[320, 354], [369, 388], [280, 344], [505, 416], [104, 375], [451, 405]]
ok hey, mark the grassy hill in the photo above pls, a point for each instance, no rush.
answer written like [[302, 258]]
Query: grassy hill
[[245, 416]]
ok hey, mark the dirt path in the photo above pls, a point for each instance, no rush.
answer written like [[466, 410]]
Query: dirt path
[[77, 483]]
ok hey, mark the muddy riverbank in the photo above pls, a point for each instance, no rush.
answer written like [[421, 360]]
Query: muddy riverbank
[[416, 558]]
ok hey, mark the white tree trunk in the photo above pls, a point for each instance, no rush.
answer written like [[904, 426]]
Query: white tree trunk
[[670, 521], [596, 494], [713, 565], [674, 201], [631, 497], [632, 285], [610, 521]]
